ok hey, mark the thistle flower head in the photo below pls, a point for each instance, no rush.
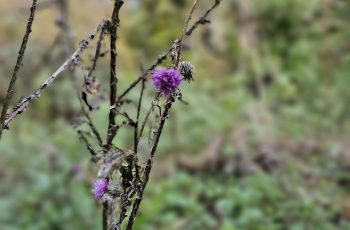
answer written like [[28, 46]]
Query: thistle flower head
[[186, 70], [166, 80], [100, 187]]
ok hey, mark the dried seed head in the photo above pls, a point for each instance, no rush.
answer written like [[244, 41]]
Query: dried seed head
[[187, 70]]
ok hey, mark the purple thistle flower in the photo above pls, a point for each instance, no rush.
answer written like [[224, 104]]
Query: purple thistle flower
[[166, 80], [100, 187]]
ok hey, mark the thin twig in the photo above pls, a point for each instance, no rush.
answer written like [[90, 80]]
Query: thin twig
[[189, 17], [203, 20], [130, 121], [136, 129], [23, 104], [91, 86], [97, 53], [18, 65], [41, 5], [147, 116], [87, 144], [160, 59], [90, 122]]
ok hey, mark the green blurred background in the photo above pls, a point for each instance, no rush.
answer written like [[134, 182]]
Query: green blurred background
[[262, 145]]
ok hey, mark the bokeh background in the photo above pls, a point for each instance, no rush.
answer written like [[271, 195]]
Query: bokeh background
[[262, 145]]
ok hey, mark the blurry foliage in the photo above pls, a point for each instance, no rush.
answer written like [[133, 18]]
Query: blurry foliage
[[256, 202], [293, 91], [44, 190]]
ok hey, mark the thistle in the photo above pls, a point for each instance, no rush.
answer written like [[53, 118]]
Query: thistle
[[100, 187], [166, 80], [187, 70]]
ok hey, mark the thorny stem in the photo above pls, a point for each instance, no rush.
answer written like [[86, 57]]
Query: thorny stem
[[133, 160], [112, 128], [113, 62], [105, 211], [164, 116], [18, 65], [148, 167]]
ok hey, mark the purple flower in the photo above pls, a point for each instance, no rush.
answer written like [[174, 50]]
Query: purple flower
[[166, 80], [100, 187]]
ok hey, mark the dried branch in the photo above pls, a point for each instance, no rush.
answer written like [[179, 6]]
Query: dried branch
[[113, 78], [90, 122], [136, 131], [41, 5], [148, 114], [91, 85], [87, 144], [160, 59], [23, 104], [18, 65], [148, 168], [97, 53], [112, 127], [203, 20], [183, 33]]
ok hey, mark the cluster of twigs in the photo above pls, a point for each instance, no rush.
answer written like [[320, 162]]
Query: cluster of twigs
[[127, 178]]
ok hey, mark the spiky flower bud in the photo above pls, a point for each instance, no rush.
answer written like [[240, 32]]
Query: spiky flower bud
[[187, 70]]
